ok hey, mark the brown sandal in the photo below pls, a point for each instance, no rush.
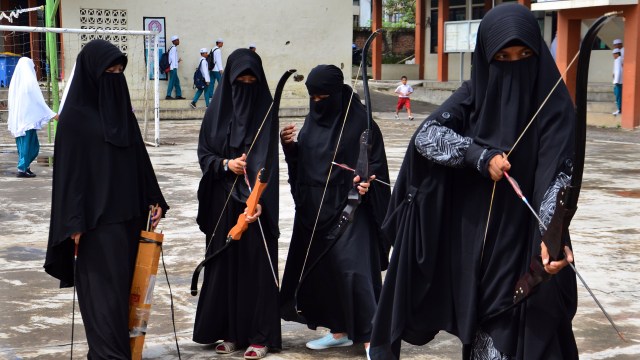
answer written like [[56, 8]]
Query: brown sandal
[[253, 353], [226, 347]]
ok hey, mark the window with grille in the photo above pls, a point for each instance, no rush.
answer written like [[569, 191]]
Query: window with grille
[[105, 19]]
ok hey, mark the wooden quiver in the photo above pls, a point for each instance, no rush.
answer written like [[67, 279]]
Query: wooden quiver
[[144, 279]]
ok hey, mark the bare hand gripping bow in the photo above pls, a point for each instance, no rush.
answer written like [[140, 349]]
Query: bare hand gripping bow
[[557, 232], [362, 168], [254, 198]]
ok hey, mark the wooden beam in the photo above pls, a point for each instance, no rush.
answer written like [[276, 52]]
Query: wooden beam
[[526, 3], [568, 45], [630, 117], [34, 39], [420, 40], [443, 58], [376, 48]]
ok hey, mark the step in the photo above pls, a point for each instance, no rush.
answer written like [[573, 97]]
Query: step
[[601, 107], [285, 102], [198, 113]]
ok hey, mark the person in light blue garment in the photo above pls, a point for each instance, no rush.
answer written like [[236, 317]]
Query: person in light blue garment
[[617, 79], [204, 70], [28, 112]]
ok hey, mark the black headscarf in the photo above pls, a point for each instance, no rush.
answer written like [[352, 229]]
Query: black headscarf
[[229, 127], [108, 92], [102, 173], [321, 131], [317, 142], [502, 91], [443, 275], [319, 204]]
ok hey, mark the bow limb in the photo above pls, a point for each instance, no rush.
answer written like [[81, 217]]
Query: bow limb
[[561, 219], [581, 105], [259, 187], [557, 230], [568, 197], [362, 168]]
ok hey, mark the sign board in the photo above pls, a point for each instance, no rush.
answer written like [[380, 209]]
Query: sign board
[[460, 36], [154, 24]]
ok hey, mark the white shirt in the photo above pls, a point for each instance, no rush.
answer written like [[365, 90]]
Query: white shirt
[[204, 69], [617, 70], [173, 57], [404, 91], [217, 59]]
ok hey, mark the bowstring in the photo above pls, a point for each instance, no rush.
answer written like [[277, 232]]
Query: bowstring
[[326, 185], [535, 115], [264, 238], [226, 202]]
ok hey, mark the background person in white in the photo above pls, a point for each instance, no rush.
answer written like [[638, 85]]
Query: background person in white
[[404, 91], [218, 66], [28, 112], [204, 70], [617, 44], [617, 79], [174, 60]]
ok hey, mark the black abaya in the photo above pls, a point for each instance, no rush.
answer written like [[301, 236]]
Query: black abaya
[[445, 274], [341, 281], [239, 297], [103, 184]]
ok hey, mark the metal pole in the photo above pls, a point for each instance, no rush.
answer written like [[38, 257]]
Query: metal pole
[[156, 85], [52, 57], [461, 66]]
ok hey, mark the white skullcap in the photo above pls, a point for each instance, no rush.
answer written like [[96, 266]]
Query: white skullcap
[[204, 50], [616, 51], [252, 45], [219, 40], [175, 37], [617, 42]]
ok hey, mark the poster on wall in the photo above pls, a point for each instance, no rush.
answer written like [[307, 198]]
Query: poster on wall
[[155, 24]]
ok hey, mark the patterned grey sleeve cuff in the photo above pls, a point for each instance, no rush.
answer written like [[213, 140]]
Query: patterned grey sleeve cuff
[[548, 205], [442, 145], [480, 160]]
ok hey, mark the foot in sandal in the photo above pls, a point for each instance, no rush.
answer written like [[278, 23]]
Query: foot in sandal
[[256, 352], [226, 347]]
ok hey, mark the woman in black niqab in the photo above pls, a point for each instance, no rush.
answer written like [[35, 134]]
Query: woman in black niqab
[[103, 185], [453, 267], [336, 285], [239, 298]]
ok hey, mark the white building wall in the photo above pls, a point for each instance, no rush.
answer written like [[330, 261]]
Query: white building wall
[[317, 32]]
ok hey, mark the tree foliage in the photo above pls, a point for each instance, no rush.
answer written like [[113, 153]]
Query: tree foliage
[[404, 10]]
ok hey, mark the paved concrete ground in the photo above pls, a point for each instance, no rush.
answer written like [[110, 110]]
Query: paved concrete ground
[[35, 316]]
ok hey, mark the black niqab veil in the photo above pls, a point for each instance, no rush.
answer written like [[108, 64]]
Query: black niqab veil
[[239, 299], [330, 272], [444, 274], [108, 92], [102, 173], [228, 130]]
